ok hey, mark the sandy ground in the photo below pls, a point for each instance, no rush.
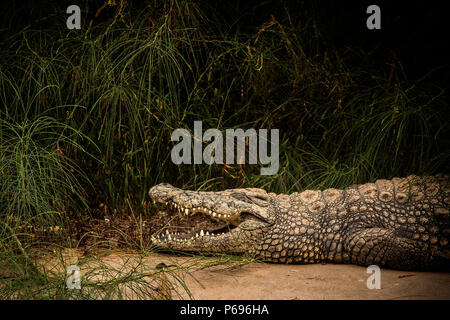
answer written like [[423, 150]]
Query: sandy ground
[[259, 281], [304, 282], [213, 278]]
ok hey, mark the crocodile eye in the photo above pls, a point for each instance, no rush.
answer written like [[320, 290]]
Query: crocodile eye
[[261, 197], [259, 200], [240, 196]]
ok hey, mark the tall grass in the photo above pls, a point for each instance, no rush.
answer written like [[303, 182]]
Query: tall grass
[[86, 117]]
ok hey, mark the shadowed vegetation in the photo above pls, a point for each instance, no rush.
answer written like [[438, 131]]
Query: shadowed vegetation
[[86, 115]]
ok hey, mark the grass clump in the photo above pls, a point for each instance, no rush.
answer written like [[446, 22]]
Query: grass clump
[[86, 117]]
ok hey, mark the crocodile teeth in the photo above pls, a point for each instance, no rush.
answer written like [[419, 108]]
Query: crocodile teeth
[[192, 211], [202, 233]]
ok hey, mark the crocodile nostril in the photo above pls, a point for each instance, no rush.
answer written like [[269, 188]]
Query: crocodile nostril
[[161, 189], [164, 184]]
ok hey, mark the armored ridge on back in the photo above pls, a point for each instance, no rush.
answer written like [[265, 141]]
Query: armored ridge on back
[[403, 223]]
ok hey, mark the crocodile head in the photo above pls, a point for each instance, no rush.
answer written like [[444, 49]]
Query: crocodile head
[[248, 214]]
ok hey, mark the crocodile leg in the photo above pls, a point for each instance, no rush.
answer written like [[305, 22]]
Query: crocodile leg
[[383, 247]]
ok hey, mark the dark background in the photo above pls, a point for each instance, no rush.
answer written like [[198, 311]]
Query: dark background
[[413, 31]]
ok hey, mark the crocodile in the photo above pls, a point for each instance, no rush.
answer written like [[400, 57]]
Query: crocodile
[[402, 223]]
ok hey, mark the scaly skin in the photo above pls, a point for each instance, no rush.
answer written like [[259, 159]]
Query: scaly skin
[[401, 223]]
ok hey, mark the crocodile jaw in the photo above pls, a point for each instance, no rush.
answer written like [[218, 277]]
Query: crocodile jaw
[[246, 220]]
